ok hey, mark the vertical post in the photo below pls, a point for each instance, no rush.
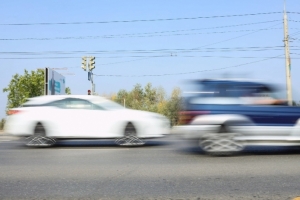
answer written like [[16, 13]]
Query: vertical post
[[287, 60], [46, 81], [91, 66], [92, 93]]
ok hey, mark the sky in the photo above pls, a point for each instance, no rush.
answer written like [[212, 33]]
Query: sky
[[158, 42]]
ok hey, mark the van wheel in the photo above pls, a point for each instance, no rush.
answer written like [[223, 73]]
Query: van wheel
[[39, 138], [222, 143], [130, 137]]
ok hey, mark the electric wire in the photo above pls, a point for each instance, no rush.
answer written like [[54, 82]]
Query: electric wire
[[184, 73], [150, 51], [138, 20], [138, 35]]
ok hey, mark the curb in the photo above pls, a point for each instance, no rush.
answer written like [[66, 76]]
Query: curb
[[3, 134], [7, 137]]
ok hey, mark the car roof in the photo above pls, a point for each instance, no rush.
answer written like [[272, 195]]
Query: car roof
[[231, 80], [238, 81], [254, 82], [49, 98]]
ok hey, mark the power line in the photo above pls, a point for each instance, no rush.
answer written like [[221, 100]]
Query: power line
[[125, 61], [296, 33], [153, 50], [196, 29], [128, 36], [183, 56], [146, 50], [293, 12], [138, 34], [27, 53], [152, 56], [137, 20], [146, 55], [141, 57], [236, 37], [183, 73], [186, 57]]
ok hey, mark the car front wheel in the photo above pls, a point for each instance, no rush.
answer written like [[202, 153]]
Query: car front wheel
[[130, 137], [39, 138], [222, 143]]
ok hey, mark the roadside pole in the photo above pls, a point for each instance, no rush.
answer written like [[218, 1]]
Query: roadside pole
[[287, 60]]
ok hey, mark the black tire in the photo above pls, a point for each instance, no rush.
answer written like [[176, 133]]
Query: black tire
[[39, 130], [130, 137], [39, 138], [130, 130]]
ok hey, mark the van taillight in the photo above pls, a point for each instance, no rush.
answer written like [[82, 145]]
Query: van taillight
[[185, 117], [13, 112]]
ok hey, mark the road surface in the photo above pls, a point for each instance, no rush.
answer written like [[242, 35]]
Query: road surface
[[163, 169]]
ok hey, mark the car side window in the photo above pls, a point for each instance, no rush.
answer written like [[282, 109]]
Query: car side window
[[58, 104], [74, 103], [209, 90], [222, 91], [218, 90], [251, 90], [78, 104]]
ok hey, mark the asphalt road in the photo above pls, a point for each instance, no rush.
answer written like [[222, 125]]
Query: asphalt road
[[163, 169]]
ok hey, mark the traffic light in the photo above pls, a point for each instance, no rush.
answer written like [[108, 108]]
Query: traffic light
[[92, 63], [83, 63]]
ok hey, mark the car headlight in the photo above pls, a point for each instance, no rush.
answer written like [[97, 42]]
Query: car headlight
[[165, 121]]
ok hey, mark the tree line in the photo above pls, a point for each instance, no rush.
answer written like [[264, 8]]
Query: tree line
[[153, 99]]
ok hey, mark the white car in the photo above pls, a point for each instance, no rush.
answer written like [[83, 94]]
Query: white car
[[45, 119]]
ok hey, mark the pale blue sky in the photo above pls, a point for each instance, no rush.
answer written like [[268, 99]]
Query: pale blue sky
[[177, 34]]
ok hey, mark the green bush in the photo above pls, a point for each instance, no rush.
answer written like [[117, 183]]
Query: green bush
[[2, 122]]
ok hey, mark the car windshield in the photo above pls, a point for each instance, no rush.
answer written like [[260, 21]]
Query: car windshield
[[108, 105], [233, 89]]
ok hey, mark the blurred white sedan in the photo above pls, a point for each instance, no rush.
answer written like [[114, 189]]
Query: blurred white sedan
[[45, 119]]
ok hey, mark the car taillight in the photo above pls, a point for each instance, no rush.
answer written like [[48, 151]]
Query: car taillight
[[13, 112], [185, 117]]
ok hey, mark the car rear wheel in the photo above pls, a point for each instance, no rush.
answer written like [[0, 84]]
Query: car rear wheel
[[39, 138], [130, 137], [222, 143]]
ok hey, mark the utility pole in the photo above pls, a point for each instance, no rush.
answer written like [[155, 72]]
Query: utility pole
[[287, 59], [91, 66]]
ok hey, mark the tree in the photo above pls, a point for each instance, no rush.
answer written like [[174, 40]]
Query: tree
[[68, 90], [2, 122], [22, 87], [136, 97], [121, 97], [174, 106], [152, 99]]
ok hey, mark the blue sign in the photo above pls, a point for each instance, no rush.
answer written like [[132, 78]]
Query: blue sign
[[89, 75], [56, 83]]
